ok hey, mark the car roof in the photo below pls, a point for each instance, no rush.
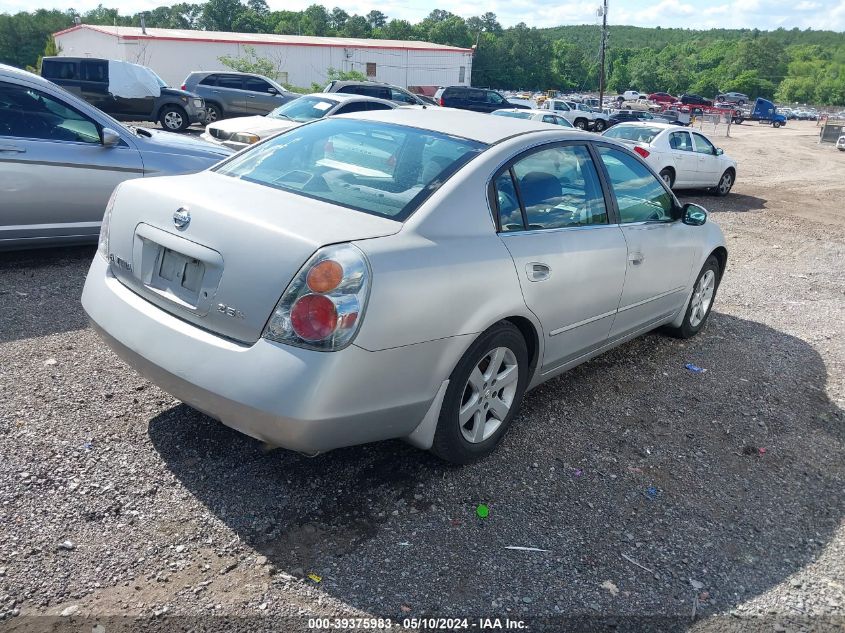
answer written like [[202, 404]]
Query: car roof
[[342, 97], [226, 72], [655, 123], [350, 82], [463, 123]]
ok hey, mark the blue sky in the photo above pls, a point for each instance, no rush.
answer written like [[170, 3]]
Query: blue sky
[[762, 14]]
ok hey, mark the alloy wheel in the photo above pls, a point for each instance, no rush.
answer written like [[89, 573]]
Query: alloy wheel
[[702, 297], [173, 120], [725, 183], [488, 395]]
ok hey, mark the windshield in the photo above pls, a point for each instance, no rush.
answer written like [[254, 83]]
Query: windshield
[[304, 109], [639, 133], [514, 115], [161, 82], [378, 168]]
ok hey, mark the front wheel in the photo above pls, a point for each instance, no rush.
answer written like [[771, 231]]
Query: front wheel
[[173, 119], [581, 124], [776, 124], [701, 301], [484, 394], [726, 183], [599, 125]]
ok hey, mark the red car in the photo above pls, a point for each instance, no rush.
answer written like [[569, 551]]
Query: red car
[[662, 97]]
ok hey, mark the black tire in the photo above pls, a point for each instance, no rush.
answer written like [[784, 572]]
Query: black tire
[[726, 183], [687, 328], [173, 118], [667, 176], [776, 124], [740, 103], [449, 441], [599, 125], [581, 124], [213, 112]]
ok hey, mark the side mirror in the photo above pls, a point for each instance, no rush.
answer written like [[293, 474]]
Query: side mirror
[[719, 151], [110, 137], [694, 214], [272, 90]]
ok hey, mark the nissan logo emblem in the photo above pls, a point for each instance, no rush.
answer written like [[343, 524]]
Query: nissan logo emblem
[[182, 218]]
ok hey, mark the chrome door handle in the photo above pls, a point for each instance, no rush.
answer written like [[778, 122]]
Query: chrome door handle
[[537, 271], [12, 148], [636, 258]]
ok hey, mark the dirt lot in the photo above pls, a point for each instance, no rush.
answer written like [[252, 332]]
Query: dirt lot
[[666, 500]]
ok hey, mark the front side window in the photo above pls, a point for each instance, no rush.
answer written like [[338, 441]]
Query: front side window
[[304, 109], [257, 85], [703, 146], [95, 71], [28, 113], [547, 118], [558, 187], [402, 97], [55, 69], [378, 168], [640, 195], [495, 98]]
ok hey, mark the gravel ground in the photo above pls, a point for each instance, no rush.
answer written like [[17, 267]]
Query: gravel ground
[[666, 500]]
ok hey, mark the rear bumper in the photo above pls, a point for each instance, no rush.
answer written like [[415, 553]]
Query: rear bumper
[[295, 398]]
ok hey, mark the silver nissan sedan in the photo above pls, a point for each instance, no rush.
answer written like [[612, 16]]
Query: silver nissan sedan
[[397, 274]]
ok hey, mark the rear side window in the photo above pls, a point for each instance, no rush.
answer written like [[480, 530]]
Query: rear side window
[[210, 80], [368, 166], [230, 81], [55, 69], [640, 196], [557, 187], [639, 133], [457, 93]]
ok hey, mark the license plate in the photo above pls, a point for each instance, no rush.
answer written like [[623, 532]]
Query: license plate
[[181, 271]]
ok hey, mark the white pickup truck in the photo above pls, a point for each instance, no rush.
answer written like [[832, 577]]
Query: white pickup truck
[[581, 116]]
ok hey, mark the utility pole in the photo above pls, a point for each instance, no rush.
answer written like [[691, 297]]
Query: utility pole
[[603, 48]]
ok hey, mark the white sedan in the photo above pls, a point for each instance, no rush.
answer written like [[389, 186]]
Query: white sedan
[[544, 116], [684, 158], [243, 131]]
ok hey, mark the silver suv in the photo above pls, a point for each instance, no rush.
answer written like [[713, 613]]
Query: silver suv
[[229, 94]]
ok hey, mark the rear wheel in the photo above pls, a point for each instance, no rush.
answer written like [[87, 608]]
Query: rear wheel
[[484, 394], [212, 113], [599, 125], [173, 118], [701, 301], [667, 176]]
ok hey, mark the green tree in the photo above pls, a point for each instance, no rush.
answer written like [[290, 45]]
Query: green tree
[[315, 21], [220, 15], [250, 62], [377, 19], [356, 26], [568, 65]]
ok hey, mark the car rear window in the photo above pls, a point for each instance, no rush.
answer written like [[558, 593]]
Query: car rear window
[[304, 109], [638, 133], [378, 168], [513, 115]]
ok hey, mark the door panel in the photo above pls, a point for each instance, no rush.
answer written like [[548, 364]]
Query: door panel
[[659, 251], [229, 92], [708, 164], [258, 100], [55, 176], [570, 261], [685, 159]]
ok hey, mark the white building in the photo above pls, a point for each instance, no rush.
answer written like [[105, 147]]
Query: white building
[[301, 60]]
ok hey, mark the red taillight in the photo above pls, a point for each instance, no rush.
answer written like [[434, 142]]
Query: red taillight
[[642, 151], [313, 317], [183, 87], [442, 103]]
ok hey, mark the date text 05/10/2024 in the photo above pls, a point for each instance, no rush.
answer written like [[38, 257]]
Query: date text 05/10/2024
[[420, 624]]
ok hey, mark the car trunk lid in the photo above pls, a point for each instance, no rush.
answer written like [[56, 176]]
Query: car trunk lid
[[238, 247]]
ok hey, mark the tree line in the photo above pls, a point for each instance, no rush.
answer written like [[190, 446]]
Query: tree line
[[787, 65]]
